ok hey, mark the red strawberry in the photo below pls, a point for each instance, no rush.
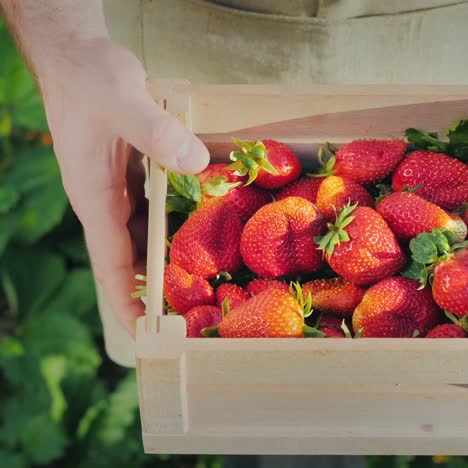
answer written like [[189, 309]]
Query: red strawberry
[[305, 187], [217, 170], [334, 295], [269, 163], [277, 240], [332, 333], [447, 331], [408, 215], [450, 283], [444, 179], [184, 291], [328, 321], [235, 295], [270, 314], [465, 216], [216, 180], [361, 247], [247, 200], [396, 307], [444, 263], [335, 192], [257, 286], [364, 161], [201, 317], [208, 242]]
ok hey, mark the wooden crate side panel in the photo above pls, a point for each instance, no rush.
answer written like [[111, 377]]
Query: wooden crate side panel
[[163, 395], [321, 419]]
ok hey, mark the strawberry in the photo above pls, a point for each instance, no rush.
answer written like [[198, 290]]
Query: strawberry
[[437, 258], [217, 170], [444, 179], [184, 291], [257, 286], [363, 161], [270, 314], [201, 317], [361, 247], [247, 200], [328, 321], [305, 187], [233, 293], [269, 163], [216, 180], [335, 192], [335, 295], [447, 330], [408, 215], [332, 333], [396, 307], [208, 242], [450, 283], [277, 240]]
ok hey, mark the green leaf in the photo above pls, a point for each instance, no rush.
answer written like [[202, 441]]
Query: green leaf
[[90, 416], [34, 167], [441, 241], [53, 370], [423, 140], [43, 440], [310, 332], [120, 412], [414, 271], [13, 459], [179, 204], [31, 277], [458, 133], [58, 332], [75, 249], [8, 198], [40, 211], [423, 249], [76, 295], [8, 226], [188, 186]]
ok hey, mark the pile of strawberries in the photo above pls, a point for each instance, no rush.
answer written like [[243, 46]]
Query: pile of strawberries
[[371, 244]]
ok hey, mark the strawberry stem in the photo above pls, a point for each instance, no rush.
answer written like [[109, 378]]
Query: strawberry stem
[[326, 162], [296, 292], [336, 232], [309, 332], [250, 159], [211, 332]]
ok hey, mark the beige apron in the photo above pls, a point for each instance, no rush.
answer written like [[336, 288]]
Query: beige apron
[[297, 41]]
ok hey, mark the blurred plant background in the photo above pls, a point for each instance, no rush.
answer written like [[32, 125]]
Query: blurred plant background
[[62, 402]]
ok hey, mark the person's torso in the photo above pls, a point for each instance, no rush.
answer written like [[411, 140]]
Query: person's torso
[[299, 41]]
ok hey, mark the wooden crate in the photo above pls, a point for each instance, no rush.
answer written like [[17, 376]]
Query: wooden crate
[[296, 396]]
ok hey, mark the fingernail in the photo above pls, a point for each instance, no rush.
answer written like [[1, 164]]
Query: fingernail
[[192, 157]]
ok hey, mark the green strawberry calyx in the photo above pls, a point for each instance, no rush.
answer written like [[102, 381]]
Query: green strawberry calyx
[[456, 146], [140, 288], [336, 232], [428, 250], [326, 159], [250, 159], [459, 321], [296, 292], [218, 186], [347, 331]]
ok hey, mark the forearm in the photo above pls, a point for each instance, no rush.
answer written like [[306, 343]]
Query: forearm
[[44, 29]]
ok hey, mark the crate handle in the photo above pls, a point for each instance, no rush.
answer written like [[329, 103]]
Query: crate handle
[[174, 97]]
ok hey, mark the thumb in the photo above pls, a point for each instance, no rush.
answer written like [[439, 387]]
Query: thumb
[[157, 134]]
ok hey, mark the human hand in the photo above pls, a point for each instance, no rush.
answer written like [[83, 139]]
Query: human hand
[[99, 112]]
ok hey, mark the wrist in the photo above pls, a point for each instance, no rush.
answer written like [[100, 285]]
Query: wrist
[[47, 30]]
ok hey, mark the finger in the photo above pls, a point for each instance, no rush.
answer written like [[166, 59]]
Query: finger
[[104, 211], [159, 135]]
